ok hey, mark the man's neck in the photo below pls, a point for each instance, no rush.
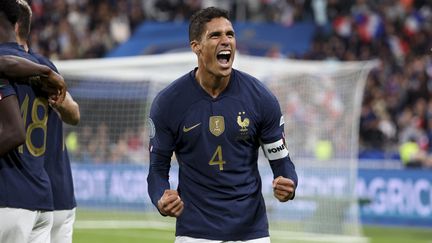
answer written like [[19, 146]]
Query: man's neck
[[7, 36], [213, 85], [23, 43]]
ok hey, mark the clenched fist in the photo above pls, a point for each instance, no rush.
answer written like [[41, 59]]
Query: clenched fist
[[283, 188], [170, 204]]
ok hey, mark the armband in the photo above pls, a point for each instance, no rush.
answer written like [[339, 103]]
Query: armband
[[275, 150]]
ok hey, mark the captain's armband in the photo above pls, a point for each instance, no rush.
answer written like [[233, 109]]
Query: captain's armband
[[275, 150]]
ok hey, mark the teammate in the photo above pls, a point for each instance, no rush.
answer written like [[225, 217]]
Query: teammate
[[25, 191], [215, 119], [57, 164], [14, 67]]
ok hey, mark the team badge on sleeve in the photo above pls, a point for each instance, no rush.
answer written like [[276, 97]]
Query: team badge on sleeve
[[151, 128], [276, 150]]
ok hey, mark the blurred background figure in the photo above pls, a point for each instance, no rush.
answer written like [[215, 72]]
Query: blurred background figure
[[397, 33]]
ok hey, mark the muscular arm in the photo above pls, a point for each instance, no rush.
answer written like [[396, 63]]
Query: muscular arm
[[18, 67], [68, 110], [12, 131]]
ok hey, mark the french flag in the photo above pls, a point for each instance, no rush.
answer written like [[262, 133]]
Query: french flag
[[369, 26], [342, 26], [413, 23], [398, 46]]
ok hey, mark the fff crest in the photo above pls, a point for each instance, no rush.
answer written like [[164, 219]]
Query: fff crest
[[242, 122]]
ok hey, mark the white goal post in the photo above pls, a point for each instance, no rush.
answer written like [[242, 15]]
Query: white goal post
[[321, 103]]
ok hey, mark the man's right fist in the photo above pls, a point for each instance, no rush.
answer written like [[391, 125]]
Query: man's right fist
[[170, 204]]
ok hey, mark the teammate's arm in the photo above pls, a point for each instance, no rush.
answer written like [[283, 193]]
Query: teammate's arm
[[53, 85], [12, 131], [68, 109], [40, 75], [18, 67]]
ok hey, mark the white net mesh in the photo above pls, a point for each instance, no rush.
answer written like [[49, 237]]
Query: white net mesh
[[321, 105]]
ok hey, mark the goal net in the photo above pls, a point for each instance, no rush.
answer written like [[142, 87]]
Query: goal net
[[321, 105]]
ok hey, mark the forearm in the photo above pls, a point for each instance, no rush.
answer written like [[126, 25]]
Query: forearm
[[10, 139], [12, 131], [157, 179], [18, 67], [284, 167], [68, 110]]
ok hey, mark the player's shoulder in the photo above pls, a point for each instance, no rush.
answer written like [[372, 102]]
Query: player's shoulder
[[43, 60], [12, 48], [177, 90], [253, 85], [5, 89]]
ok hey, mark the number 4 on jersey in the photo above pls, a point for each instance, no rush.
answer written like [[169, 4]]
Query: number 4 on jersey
[[217, 158]]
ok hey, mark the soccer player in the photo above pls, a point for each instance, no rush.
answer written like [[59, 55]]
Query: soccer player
[[215, 119], [14, 67], [57, 162], [26, 202]]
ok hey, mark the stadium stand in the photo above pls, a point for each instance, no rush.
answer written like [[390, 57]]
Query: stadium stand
[[397, 107]]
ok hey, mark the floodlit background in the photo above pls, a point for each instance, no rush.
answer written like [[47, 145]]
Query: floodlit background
[[94, 43]]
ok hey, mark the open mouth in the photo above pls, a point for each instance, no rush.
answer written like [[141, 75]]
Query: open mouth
[[223, 57]]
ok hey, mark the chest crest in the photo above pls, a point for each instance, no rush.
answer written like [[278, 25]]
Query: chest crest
[[217, 125], [243, 122]]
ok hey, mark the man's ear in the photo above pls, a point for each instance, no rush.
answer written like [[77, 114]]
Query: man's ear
[[196, 47]]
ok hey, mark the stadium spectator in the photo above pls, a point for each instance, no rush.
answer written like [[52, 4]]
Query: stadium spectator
[[397, 33], [413, 156], [100, 144]]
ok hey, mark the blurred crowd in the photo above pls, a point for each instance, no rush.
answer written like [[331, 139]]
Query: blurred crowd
[[396, 115], [71, 29]]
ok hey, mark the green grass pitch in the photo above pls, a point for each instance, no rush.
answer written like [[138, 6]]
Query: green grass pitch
[[130, 227]]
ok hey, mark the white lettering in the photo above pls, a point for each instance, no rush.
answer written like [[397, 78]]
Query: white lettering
[[128, 186], [424, 207], [90, 185], [396, 196], [375, 191]]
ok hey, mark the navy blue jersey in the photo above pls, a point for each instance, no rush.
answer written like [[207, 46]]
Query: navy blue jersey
[[57, 164], [6, 89], [24, 182], [216, 143]]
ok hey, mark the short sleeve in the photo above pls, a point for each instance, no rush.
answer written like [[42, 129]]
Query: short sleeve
[[6, 89]]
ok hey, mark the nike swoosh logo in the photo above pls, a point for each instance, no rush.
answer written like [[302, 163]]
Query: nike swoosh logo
[[187, 129]]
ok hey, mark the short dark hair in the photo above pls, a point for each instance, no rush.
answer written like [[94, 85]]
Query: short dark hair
[[10, 10], [24, 20], [201, 18]]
